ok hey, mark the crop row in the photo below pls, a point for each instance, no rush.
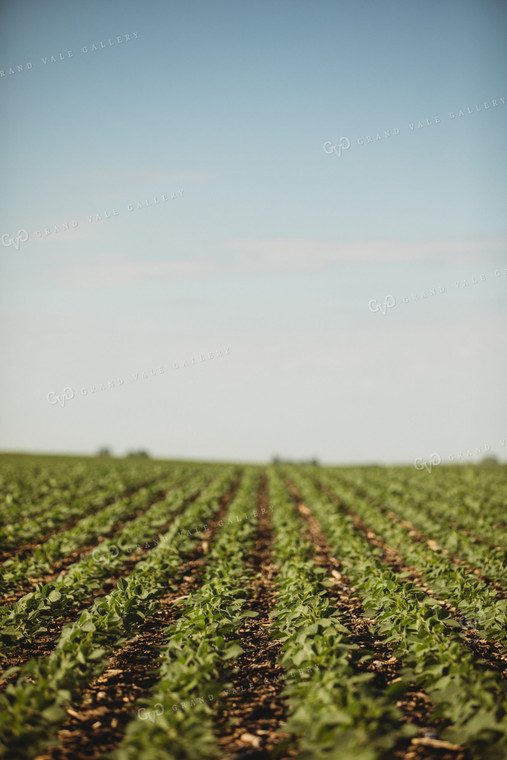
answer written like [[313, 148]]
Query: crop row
[[31, 485], [57, 547], [471, 698], [17, 532], [338, 712], [453, 583], [198, 647], [29, 616], [32, 708], [440, 517], [470, 497]]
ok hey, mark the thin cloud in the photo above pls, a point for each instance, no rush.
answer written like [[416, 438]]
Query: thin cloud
[[120, 270], [64, 232], [144, 176], [299, 254]]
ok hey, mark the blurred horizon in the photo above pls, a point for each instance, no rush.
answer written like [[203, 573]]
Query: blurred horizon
[[487, 458]]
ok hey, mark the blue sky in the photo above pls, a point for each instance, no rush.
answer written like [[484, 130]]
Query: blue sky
[[166, 161]]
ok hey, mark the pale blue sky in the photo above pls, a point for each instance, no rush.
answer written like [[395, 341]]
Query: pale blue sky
[[264, 244]]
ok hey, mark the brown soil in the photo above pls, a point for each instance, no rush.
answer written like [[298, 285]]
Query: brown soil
[[23, 549], [44, 644], [249, 716], [418, 536], [96, 721], [77, 554], [415, 705], [492, 652]]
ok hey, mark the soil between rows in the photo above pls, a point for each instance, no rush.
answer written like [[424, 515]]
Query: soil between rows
[[44, 644], [415, 704], [417, 536], [77, 554], [249, 718], [23, 549], [491, 654], [100, 712], [248, 722]]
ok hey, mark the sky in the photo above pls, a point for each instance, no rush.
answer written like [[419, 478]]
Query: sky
[[237, 230]]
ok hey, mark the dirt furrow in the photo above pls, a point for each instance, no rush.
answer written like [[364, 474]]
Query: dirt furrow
[[491, 652], [417, 536], [44, 644], [96, 722], [415, 704], [250, 714], [444, 518], [23, 549], [77, 554]]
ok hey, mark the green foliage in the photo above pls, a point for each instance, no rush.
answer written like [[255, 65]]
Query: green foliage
[[199, 647], [30, 710], [470, 698], [335, 707]]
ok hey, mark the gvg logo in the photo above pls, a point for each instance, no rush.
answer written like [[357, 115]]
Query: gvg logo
[[343, 144], [21, 237], [60, 398], [104, 555], [466, 623], [428, 464], [152, 715], [388, 303]]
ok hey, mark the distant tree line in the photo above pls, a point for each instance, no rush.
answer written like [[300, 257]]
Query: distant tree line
[[302, 462], [105, 451]]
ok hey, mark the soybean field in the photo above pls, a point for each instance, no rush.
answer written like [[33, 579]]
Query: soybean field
[[167, 610]]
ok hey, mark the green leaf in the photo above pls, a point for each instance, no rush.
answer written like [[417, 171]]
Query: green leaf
[[54, 714], [97, 654], [232, 651]]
